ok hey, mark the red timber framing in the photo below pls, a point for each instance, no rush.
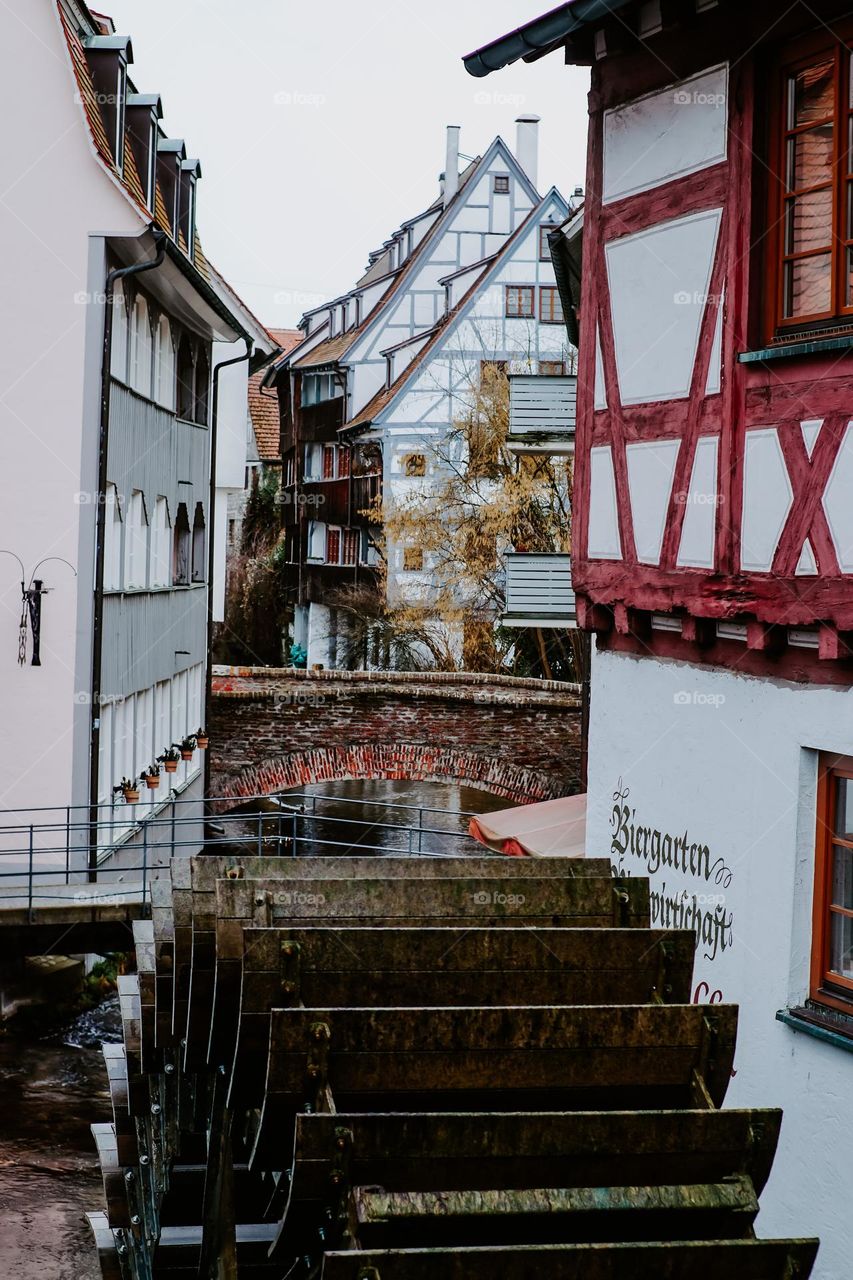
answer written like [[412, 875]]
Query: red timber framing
[[622, 598]]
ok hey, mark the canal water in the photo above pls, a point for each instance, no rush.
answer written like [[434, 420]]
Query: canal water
[[53, 1084]]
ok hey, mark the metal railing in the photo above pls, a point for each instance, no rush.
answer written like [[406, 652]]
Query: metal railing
[[43, 861]]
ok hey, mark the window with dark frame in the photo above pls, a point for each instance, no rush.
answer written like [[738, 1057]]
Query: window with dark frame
[[520, 301], [344, 462], [328, 462], [550, 305], [544, 248], [349, 554], [414, 464], [832, 935], [811, 208], [501, 184], [333, 546]]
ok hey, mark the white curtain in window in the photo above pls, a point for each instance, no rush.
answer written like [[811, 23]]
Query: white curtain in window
[[143, 752], [119, 345], [164, 365], [112, 540], [162, 716], [161, 545], [140, 348], [136, 543], [105, 755]]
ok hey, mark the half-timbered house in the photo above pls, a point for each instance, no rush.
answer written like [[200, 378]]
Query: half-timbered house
[[713, 534], [385, 369]]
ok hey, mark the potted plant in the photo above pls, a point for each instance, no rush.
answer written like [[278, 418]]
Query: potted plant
[[202, 739], [152, 777], [129, 790], [187, 747], [169, 759]]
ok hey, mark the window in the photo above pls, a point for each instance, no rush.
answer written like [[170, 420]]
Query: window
[[491, 368], [140, 348], [198, 568], [328, 462], [136, 543], [181, 548], [552, 368], [163, 385], [520, 301], [812, 199], [544, 248], [333, 546], [344, 459], [501, 183], [349, 550], [832, 942], [413, 559], [112, 540], [550, 305], [186, 379], [316, 540], [290, 469], [161, 545], [119, 341], [317, 387], [414, 464], [202, 384]]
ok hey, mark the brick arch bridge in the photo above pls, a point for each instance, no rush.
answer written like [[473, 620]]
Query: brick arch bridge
[[276, 729]]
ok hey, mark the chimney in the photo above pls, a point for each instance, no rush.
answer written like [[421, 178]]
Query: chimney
[[527, 146], [451, 165]]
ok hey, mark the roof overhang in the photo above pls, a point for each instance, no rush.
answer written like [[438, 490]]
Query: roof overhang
[[180, 287], [540, 36]]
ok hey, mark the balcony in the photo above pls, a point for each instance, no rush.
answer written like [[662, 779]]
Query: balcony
[[542, 411], [539, 590]]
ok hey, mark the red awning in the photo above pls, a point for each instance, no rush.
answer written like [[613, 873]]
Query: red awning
[[550, 829]]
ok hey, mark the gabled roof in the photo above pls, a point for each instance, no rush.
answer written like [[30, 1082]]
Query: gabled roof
[[384, 398], [333, 350]]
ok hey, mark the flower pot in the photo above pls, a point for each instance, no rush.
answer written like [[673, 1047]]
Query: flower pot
[[186, 753], [202, 742], [131, 795], [152, 782], [171, 766]]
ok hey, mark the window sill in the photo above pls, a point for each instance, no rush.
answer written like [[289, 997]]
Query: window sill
[[790, 350], [824, 1024], [189, 422]]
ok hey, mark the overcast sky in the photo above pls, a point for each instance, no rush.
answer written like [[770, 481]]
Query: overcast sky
[[320, 126]]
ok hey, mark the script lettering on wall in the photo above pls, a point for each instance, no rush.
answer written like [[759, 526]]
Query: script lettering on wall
[[634, 846]]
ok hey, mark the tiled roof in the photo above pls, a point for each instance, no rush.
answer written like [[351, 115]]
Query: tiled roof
[[265, 420], [264, 408]]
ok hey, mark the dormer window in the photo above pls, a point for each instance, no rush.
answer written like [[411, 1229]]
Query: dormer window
[[142, 111], [171, 154], [108, 57], [190, 174]]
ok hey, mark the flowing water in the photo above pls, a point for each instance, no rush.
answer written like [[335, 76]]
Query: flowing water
[[53, 1084], [52, 1087]]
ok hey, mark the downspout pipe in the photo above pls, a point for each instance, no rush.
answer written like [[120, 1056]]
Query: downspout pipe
[[211, 543], [119, 273]]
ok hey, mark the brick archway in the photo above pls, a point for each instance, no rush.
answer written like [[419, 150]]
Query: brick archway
[[403, 761]]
